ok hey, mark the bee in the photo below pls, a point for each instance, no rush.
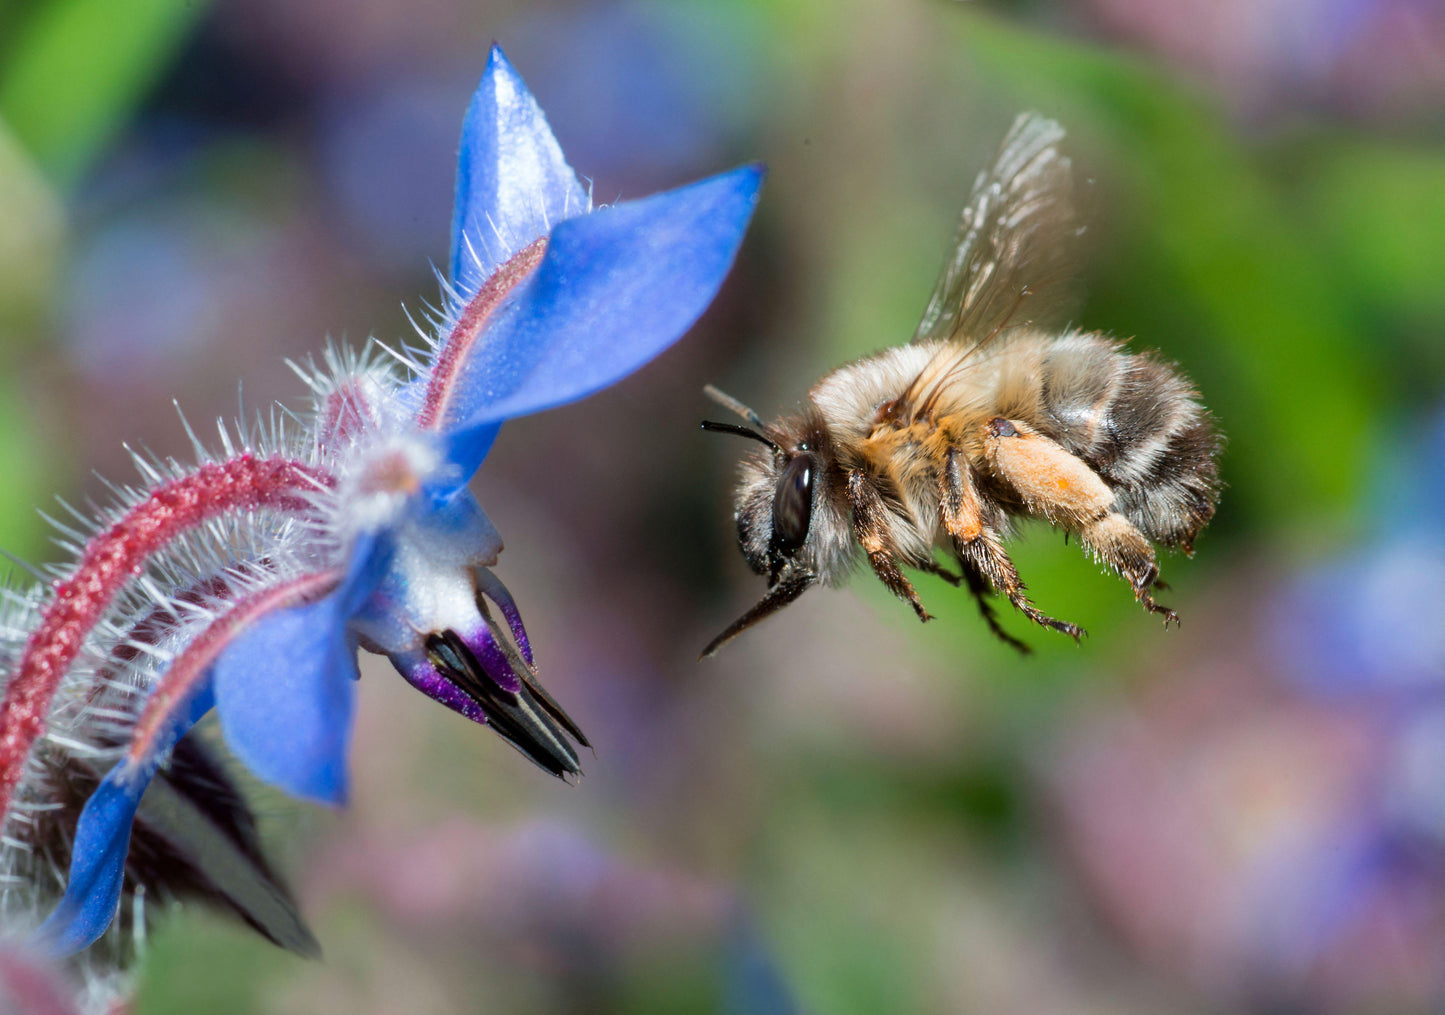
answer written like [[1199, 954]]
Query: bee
[[987, 416]]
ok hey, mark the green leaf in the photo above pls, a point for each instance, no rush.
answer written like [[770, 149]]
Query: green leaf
[[77, 68], [31, 232], [28, 473], [1382, 209]]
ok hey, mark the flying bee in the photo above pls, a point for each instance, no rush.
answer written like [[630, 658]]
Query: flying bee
[[987, 416]]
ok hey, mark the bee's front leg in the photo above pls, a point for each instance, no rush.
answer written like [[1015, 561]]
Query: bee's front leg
[[870, 525]]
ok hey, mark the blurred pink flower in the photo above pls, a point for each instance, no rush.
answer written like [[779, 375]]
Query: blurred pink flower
[[529, 888], [1359, 57], [1237, 833]]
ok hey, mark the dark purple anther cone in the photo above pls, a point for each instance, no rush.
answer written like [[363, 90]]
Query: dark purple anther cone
[[479, 678]]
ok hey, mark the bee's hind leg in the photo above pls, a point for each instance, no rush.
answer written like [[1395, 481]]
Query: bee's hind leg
[[1062, 489], [870, 526], [1115, 541]]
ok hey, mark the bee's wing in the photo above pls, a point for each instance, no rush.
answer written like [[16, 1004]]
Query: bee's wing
[[1013, 252]]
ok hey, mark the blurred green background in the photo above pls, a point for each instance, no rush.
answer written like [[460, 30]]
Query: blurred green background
[[846, 812]]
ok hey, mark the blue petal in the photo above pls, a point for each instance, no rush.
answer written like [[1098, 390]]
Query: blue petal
[[513, 185], [102, 839], [615, 289], [286, 693], [285, 688], [467, 449], [454, 529]]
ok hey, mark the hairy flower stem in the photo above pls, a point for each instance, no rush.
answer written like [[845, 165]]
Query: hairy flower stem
[[110, 560], [188, 667], [478, 312], [345, 414]]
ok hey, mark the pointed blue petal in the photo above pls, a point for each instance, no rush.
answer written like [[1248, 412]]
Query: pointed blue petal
[[454, 529], [467, 449], [286, 691], [513, 185], [615, 288], [102, 839], [285, 688]]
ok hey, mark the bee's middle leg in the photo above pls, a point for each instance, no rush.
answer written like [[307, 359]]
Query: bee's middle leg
[[986, 556], [981, 555], [870, 525], [977, 585]]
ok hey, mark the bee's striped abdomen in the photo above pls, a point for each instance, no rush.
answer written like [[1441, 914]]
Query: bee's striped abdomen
[[1139, 424]]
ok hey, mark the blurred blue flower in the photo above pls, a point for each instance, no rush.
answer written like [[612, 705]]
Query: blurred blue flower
[[1363, 632], [1369, 621], [753, 983], [549, 299], [1270, 820], [648, 91]]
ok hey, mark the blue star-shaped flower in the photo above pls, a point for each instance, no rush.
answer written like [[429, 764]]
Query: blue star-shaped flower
[[550, 299]]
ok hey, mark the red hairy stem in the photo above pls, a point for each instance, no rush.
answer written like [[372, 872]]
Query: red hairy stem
[[29, 983], [186, 670], [475, 316], [345, 415], [110, 559]]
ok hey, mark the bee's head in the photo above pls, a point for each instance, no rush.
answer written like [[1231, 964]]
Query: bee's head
[[789, 525], [776, 496]]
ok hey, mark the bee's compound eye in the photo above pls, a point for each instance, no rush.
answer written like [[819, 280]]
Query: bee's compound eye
[[793, 504]]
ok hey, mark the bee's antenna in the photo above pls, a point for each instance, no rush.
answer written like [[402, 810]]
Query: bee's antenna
[[742, 431], [729, 402]]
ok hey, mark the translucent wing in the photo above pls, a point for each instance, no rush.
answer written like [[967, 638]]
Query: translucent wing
[[1013, 254]]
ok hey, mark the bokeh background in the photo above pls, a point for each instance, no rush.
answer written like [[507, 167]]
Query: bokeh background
[[846, 812]]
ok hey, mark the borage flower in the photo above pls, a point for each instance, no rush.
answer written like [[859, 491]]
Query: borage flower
[[360, 528]]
